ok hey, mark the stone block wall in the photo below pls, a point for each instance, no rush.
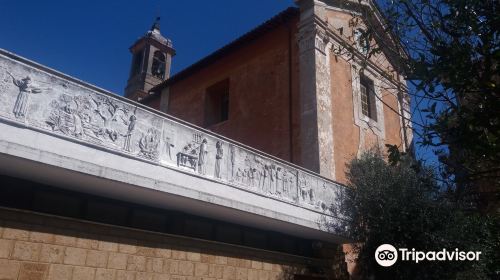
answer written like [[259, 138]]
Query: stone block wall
[[42, 247]]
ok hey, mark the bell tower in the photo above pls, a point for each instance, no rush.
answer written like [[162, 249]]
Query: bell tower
[[151, 60]]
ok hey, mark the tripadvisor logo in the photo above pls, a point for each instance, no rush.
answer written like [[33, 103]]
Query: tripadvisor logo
[[387, 255]]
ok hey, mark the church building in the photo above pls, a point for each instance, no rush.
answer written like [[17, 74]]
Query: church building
[[300, 87], [233, 168]]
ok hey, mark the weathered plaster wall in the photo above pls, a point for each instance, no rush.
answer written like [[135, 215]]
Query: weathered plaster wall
[[348, 23], [354, 133], [393, 132], [343, 116], [353, 136]]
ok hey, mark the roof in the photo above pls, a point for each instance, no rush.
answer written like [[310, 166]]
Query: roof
[[154, 34], [255, 33]]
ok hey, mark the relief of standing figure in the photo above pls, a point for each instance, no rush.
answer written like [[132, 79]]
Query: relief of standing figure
[[265, 180], [285, 182], [279, 180], [239, 175], [218, 158], [272, 181], [128, 135], [233, 155], [168, 146], [25, 89], [202, 161]]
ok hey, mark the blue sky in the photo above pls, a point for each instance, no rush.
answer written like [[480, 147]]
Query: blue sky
[[90, 39]]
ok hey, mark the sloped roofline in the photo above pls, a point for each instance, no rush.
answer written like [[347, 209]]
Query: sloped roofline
[[253, 34], [275, 21]]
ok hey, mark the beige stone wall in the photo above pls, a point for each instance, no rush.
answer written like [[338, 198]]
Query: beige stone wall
[[42, 247]]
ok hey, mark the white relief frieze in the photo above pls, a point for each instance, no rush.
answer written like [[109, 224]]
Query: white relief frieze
[[73, 110]]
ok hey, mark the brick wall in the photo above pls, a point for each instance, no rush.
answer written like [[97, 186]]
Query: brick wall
[[263, 76], [35, 247]]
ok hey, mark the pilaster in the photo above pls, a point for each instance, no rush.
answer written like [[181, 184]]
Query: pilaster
[[316, 136]]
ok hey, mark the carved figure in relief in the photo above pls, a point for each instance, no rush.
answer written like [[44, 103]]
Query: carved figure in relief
[[311, 196], [202, 157], [233, 158], [76, 116], [321, 205], [128, 136], [239, 175], [265, 178], [69, 115], [303, 188], [194, 154], [279, 181], [25, 90], [292, 178], [149, 144], [253, 174], [187, 148], [218, 159], [303, 193], [272, 179], [77, 120], [260, 173], [285, 182], [188, 157], [168, 146], [306, 192], [244, 178], [249, 176], [256, 174]]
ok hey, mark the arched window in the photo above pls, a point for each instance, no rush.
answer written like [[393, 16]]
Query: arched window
[[158, 66]]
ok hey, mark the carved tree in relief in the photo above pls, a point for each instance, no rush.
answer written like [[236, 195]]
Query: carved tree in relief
[[108, 111]]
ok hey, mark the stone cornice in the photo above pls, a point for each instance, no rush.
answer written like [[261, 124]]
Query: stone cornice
[[340, 43]]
